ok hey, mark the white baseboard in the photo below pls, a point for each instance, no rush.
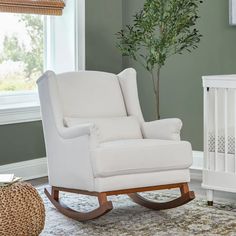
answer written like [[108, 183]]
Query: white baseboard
[[197, 160], [37, 168], [32, 169], [196, 168], [196, 174]]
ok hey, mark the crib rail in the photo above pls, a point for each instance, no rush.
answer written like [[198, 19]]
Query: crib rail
[[219, 81]]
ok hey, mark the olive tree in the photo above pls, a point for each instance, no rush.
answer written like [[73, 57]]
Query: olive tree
[[161, 29]]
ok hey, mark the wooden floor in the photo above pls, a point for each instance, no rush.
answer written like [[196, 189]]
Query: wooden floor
[[195, 186], [39, 182]]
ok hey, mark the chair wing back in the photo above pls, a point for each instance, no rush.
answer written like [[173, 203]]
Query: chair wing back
[[52, 115], [90, 94], [128, 83]]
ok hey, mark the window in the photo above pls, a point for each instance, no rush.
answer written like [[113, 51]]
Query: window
[[31, 44], [21, 63], [21, 51]]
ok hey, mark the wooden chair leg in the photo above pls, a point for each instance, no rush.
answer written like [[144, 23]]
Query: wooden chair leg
[[186, 196], [184, 188], [104, 206], [55, 194], [102, 198]]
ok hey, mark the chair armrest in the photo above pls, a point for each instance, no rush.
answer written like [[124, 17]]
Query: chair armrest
[[69, 155], [76, 131], [167, 129]]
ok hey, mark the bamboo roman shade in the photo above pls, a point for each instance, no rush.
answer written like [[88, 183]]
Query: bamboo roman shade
[[44, 7]]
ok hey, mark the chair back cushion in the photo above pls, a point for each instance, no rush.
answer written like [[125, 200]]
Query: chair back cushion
[[110, 129], [90, 94]]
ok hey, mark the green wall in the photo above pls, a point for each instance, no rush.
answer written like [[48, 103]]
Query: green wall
[[181, 91], [21, 142], [103, 20]]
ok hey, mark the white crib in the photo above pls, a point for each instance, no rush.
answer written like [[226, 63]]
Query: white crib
[[219, 171]]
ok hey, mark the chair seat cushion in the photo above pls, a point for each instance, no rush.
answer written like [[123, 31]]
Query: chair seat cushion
[[111, 128], [140, 156]]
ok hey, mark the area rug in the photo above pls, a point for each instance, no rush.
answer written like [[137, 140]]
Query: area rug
[[129, 219]]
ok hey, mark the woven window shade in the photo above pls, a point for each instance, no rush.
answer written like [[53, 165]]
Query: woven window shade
[[44, 7]]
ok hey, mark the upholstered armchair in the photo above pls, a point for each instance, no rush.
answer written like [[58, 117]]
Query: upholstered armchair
[[98, 143]]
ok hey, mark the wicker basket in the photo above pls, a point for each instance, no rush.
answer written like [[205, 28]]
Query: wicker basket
[[22, 210]]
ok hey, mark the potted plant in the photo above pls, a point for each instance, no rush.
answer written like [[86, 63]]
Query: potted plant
[[161, 29]]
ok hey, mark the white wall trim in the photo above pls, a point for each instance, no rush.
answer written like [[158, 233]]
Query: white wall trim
[[32, 169], [66, 39], [197, 167], [232, 12], [18, 107], [19, 114], [80, 58], [197, 160], [196, 174], [38, 168]]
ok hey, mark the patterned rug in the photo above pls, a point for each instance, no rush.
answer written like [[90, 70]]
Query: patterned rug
[[129, 219]]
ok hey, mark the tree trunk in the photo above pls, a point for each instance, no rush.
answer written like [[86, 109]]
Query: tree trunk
[[158, 93], [156, 89]]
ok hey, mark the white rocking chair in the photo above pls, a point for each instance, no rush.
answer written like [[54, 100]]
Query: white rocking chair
[[98, 143]]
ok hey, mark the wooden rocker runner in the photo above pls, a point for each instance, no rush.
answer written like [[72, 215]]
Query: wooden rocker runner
[[105, 206], [98, 143]]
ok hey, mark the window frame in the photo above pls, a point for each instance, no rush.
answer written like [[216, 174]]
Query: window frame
[[24, 106]]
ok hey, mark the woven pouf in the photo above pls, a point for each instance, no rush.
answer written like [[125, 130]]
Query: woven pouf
[[22, 211]]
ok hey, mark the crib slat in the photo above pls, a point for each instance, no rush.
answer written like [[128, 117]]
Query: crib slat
[[206, 131], [235, 131], [226, 127], [216, 128]]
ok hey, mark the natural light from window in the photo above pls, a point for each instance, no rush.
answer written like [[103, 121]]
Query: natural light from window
[[21, 51]]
